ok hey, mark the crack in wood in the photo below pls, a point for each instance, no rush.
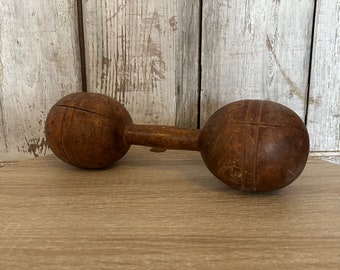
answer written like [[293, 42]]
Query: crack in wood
[[294, 89]]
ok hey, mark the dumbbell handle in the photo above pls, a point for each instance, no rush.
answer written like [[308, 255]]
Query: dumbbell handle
[[162, 136]]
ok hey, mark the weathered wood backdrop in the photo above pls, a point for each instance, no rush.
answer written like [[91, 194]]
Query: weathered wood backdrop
[[39, 63], [170, 62]]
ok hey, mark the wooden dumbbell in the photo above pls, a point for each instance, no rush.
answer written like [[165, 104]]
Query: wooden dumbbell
[[250, 145]]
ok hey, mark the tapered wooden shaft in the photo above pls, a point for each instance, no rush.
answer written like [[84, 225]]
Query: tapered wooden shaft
[[162, 136]]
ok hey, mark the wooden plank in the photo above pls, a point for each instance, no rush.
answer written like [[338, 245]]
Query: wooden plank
[[324, 109], [256, 49], [187, 62], [38, 64], [133, 49], [163, 211]]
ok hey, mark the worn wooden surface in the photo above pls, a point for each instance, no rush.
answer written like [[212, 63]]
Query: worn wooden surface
[[324, 102], [135, 48], [187, 63], [38, 65], [256, 49], [147, 54], [163, 211]]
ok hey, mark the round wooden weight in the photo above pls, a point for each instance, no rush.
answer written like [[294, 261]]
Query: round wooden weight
[[86, 130], [255, 145]]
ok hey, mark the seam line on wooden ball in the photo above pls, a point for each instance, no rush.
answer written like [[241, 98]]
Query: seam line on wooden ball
[[88, 111]]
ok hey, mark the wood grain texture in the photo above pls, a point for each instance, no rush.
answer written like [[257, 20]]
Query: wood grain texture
[[324, 108], [187, 62], [256, 49], [39, 63], [132, 54], [163, 211]]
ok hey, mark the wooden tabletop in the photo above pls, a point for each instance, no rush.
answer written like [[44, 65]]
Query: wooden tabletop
[[164, 211]]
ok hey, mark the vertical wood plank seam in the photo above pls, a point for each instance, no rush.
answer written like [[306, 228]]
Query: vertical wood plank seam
[[81, 37], [2, 109], [199, 79], [310, 62], [3, 123]]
